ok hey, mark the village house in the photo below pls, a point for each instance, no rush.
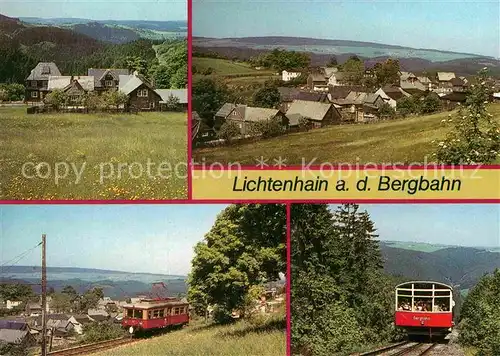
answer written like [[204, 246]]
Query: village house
[[11, 304], [106, 79], [166, 95], [74, 86], [17, 337], [288, 95], [200, 131], [317, 81], [359, 106], [141, 95], [246, 117], [444, 84], [426, 82], [288, 75], [341, 92], [38, 80], [98, 315], [317, 113], [391, 95], [458, 84]]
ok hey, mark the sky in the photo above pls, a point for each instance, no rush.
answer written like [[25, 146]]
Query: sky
[[131, 238], [448, 224], [152, 10], [452, 25]]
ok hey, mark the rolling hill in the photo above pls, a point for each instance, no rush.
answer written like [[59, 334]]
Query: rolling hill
[[452, 265], [115, 31], [321, 51]]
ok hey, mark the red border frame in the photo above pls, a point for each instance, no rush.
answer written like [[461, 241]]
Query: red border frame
[[288, 280]]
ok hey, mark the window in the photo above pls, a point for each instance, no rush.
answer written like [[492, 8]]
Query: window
[[150, 315], [34, 83], [108, 83], [130, 313], [143, 93], [138, 313], [34, 94]]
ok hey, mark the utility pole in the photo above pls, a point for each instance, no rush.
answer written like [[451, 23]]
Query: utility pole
[[44, 298]]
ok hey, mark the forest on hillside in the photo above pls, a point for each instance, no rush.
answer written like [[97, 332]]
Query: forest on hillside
[[22, 47]]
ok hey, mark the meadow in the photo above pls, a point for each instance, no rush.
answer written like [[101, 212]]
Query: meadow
[[407, 141], [92, 156], [225, 67], [199, 339]]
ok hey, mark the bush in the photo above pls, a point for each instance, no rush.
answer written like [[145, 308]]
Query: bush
[[228, 131], [268, 128], [172, 103], [430, 104], [386, 111], [475, 137], [96, 332], [11, 92], [407, 106]]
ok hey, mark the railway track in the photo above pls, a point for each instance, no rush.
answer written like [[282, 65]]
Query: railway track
[[91, 348], [404, 348]]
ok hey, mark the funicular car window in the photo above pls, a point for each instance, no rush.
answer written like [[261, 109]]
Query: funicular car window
[[138, 313], [161, 313], [150, 314], [130, 313], [156, 313]]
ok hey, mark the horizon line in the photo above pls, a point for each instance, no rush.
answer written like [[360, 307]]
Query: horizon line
[[366, 42]]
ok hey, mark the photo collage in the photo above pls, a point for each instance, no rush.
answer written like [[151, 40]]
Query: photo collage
[[249, 177]]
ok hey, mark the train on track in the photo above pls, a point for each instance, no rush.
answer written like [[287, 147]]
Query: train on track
[[155, 313], [424, 308]]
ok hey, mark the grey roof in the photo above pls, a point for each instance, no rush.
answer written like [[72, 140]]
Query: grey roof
[[288, 93], [181, 94], [13, 324], [98, 74], [406, 85], [43, 70], [61, 82], [424, 80], [329, 71], [294, 119], [225, 109], [313, 110], [256, 114], [312, 96], [341, 91], [371, 98], [13, 336], [129, 83], [318, 77], [406, 75], [445, 76]]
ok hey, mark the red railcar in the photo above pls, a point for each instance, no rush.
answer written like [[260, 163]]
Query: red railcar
[[151, 314], [424, 308]]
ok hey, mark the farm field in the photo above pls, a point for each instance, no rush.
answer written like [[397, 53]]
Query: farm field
[[199, 339], [96, 156], [404, 141], [225, 67]]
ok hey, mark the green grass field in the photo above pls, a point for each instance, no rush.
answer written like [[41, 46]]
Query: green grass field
[[240, 339], [225, 67], [92, 156], [405, 141]]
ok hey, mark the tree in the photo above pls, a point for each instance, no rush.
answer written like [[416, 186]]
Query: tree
[[12, 92], [3, 95], [114, 98], [208, 96], [332, 62], [246, 247], [228, 131], [179, 79], [92, 101], [272, 127], [91, 298], [267, 97], [336, 270], [70, 292], [16, 291], [480, 316], [137, 64], [354, 70], [61, 302], [387, 73], [430, 103], [56, 99], [162, 76], [386, 111], [407, 106], [475, 137], [172, 102]]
